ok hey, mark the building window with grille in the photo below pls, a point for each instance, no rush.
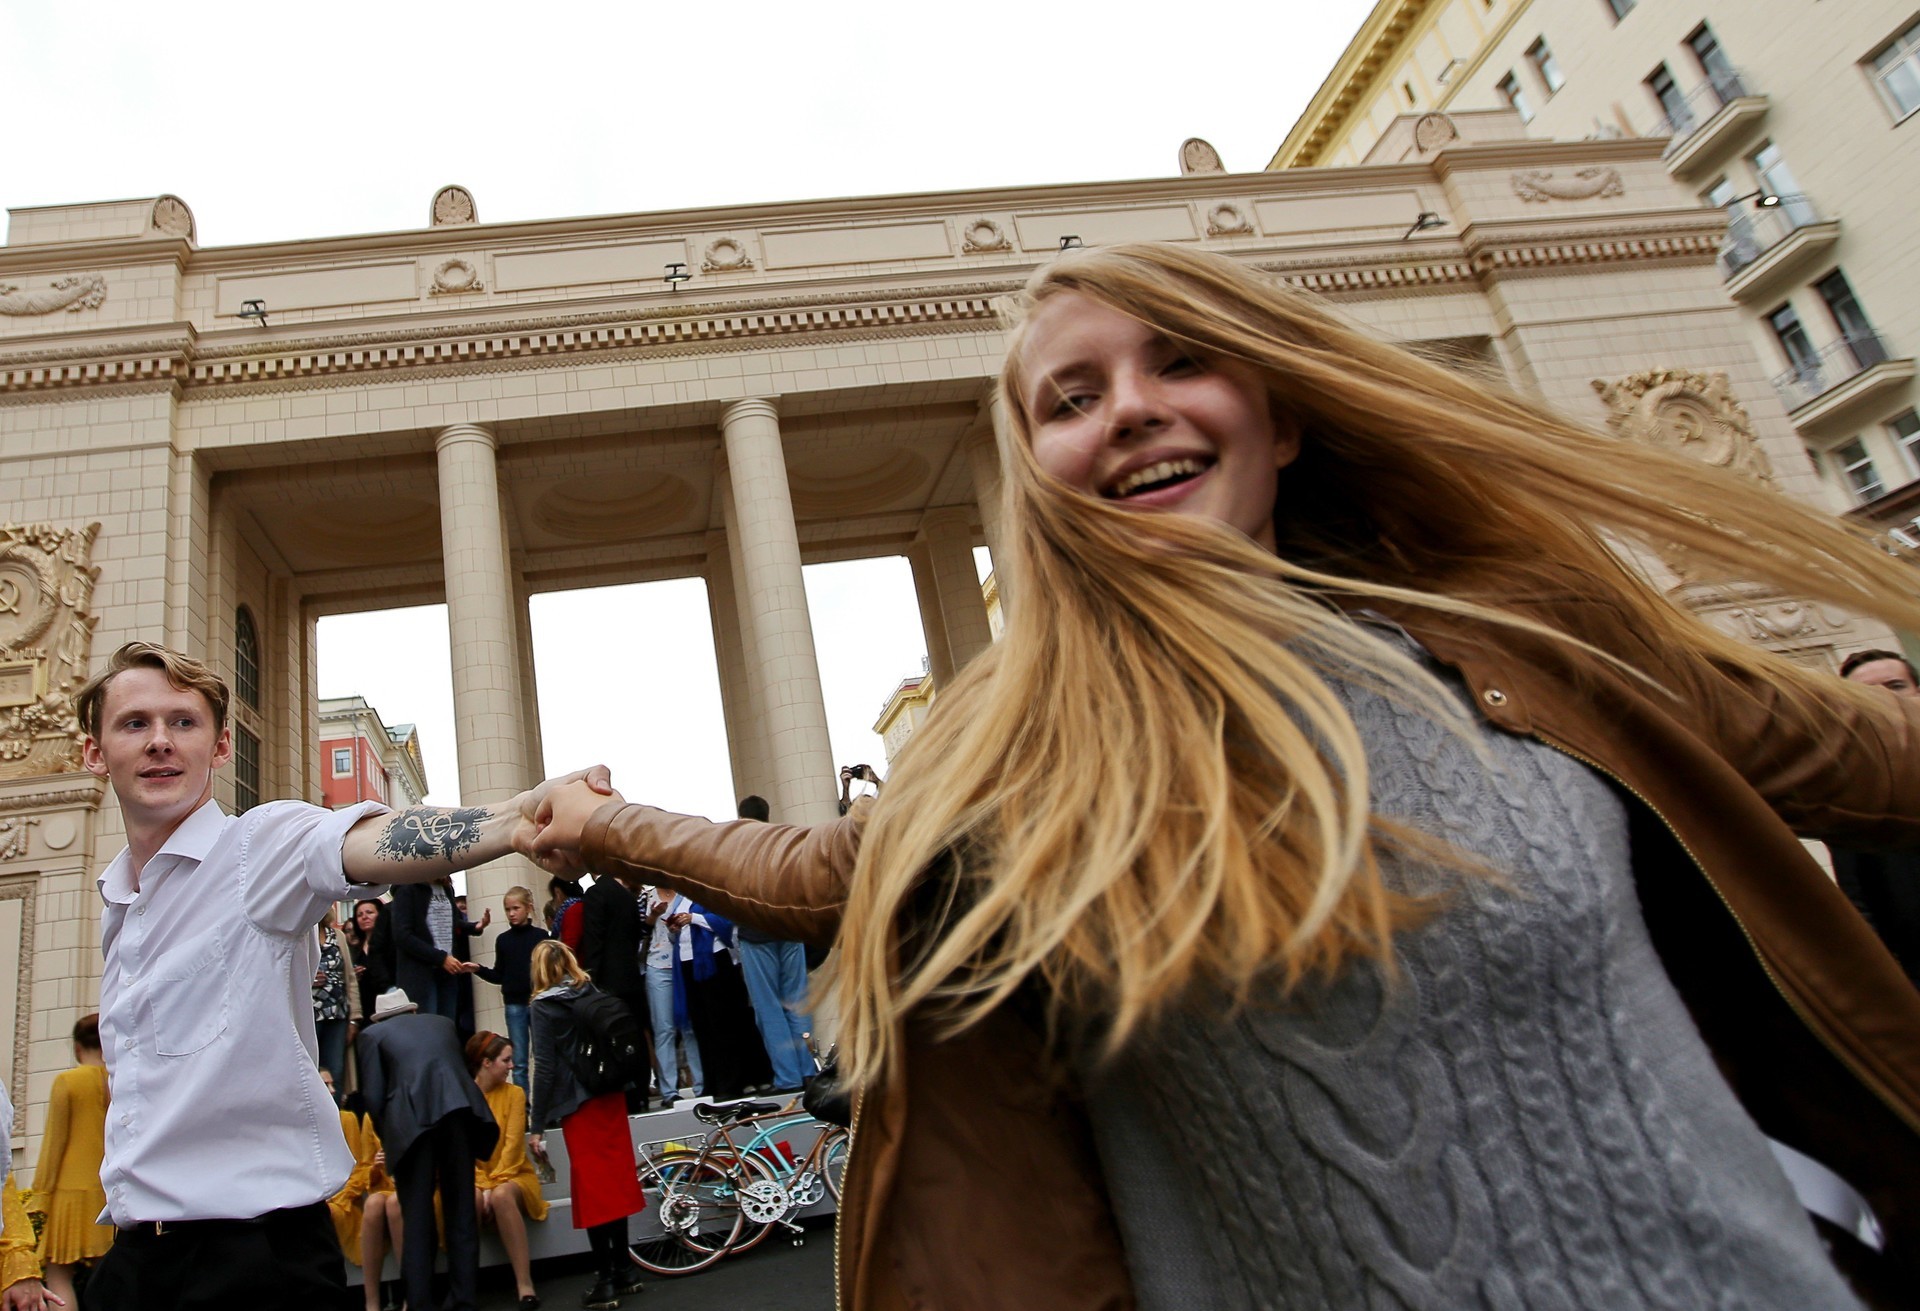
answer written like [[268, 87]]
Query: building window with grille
[[342, 761], [1856, 466], [1851, 319], [246, 769], [1896, 71], [1540, 55], [1673, 105], [1715, 64], [1905, 429], [1793, 339], [1619, 8], [246, 658], [1511, 92]]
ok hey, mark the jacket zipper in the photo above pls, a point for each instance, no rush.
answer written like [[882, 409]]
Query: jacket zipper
[[1872, 1084], [853, 1134]]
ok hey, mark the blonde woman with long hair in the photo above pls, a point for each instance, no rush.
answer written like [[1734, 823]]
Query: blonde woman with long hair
[[1346, 884]]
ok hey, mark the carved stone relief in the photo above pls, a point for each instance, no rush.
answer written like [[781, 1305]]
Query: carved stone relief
[[46, 634], [1228, 220], [1197, 156], [171, 216], [80, 291], [725, 255], [453, 206], [983, 236], [13, 836], [1585, 184], [1434, 131], [455, 277], [1687, 411]]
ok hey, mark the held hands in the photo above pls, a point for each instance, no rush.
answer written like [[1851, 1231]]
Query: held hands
[[561, 818], [453, 966]]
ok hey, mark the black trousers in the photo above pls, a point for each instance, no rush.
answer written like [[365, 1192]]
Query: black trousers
[[443, 1155], [731, 1053], [285, 1260]]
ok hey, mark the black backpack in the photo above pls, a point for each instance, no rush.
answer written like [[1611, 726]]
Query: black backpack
[[609, 1052]]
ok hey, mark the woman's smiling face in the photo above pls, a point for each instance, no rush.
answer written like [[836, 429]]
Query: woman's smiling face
[[1121, 412]]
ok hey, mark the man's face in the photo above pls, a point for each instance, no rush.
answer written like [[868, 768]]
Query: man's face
[[1890, 674], [157, 747]]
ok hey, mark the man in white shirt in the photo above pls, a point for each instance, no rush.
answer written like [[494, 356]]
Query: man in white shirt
[[222, 1144]]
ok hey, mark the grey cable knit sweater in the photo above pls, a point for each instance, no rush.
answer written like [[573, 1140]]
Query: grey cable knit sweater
[[1527, 1117]]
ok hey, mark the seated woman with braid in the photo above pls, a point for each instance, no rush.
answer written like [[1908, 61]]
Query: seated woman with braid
[[1347, 883]]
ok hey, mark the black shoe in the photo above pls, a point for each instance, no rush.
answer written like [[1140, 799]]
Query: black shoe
[[602, 1296], [530, 1302], [628, 1286]]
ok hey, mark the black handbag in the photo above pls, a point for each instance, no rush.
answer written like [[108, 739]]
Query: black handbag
[[824, 1097]]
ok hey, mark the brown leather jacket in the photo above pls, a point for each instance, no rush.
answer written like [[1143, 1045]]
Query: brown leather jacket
[[973, 1182]]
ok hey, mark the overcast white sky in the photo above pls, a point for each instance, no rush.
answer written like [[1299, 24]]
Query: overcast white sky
[[278, 122]]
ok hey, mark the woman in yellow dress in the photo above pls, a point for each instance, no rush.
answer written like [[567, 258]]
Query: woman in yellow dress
[[505, 1186], [66, 1182], [366, 1210], [20, 1286]]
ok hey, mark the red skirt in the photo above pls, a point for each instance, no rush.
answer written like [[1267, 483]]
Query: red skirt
[[606, 1186]]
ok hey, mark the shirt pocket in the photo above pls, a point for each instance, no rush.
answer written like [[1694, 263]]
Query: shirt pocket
[[190, 1002]]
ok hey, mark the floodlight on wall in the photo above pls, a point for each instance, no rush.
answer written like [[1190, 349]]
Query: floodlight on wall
[[1424, 222], [1761, 200], [254, 309], [1072, 243], [676, 274]]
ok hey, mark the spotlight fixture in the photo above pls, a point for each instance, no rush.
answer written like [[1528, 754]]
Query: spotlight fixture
[[1762, 199], [1072, 243], [676, 274], [254, 309], [1425, 221]]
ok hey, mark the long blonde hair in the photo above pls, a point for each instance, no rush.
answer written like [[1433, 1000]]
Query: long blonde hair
[[554, 965], [1147, 783]]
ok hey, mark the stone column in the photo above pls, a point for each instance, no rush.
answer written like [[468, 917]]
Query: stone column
[[983, 461], [729, 650], [529, 686], [949, 539], [489, 739], [782, 665], [933, 622]]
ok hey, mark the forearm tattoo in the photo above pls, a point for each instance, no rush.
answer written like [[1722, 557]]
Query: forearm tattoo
[[430, 833]]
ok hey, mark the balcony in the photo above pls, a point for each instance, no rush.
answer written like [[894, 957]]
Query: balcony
[[1829, 385], [1764, 245], [1712, 117]]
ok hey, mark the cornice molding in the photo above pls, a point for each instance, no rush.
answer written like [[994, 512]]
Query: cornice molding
[[64, 256]]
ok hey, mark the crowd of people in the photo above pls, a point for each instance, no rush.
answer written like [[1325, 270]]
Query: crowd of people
[[1345, 884]]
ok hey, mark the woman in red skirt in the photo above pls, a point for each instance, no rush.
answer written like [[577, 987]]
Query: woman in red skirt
[[606, 1189]]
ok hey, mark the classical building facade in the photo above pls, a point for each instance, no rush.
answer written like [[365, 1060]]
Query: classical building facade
[[1797, 119], [363, 758], [216, 447]]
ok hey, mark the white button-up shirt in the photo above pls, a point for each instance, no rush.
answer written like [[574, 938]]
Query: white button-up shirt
[[206, 1017]]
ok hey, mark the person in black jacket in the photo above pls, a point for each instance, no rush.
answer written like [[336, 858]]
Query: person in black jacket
[[434, 1124], [370, 940], [612, 930], [512, 973], [425, 936]]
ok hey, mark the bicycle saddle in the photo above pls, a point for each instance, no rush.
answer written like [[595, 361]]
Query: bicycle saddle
[[708, 1113]]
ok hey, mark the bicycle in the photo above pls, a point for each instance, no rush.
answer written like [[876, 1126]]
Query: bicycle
[[705, 1196]]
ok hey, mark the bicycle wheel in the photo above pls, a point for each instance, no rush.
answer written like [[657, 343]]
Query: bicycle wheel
[[695, 1200], [764, 1202], [833, 1158]]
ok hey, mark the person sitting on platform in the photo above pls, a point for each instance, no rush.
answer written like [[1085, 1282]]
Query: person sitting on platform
[[66, 1182], [506, 1190]]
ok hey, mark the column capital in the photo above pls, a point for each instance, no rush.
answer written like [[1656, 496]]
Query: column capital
[[754, 407], [464, 432]]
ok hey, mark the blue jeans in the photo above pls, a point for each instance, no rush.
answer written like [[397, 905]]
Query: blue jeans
[[776, 975], [517, 1035], [660, 1003]]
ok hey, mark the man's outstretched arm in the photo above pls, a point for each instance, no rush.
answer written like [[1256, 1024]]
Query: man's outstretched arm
[[423, 843]]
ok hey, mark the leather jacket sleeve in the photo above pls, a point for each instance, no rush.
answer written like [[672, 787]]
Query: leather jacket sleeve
[[784, 879]]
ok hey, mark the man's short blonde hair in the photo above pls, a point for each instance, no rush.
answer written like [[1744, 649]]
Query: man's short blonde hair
[[184, 672]]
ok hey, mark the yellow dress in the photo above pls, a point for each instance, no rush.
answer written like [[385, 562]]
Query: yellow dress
[[17, 1257], [66, 1182], [348, 1206], [509, 1164]]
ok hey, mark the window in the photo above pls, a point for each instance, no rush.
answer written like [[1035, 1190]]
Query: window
[[1896, 71], [1714, 63], [1905, 429], [1721, 193], [246, 769], [246, 659], [1851, 319], [1794, 340], [1771, 172], [1540, 55], [1672, 103], [1863, 480], [1509, 89], [342, 761], [1620, 8]]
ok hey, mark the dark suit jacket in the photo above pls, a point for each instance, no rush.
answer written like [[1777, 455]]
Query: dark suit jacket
[[412, 1076], [415, 959], [610, 936]]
